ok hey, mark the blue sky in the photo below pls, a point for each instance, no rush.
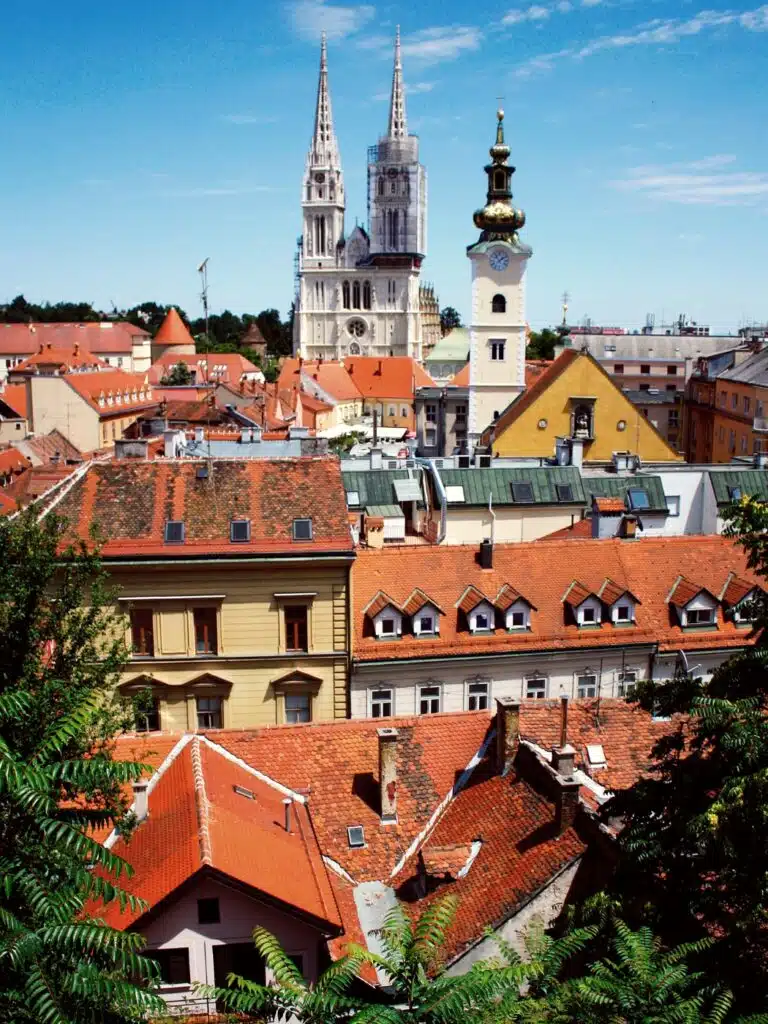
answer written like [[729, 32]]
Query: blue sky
[[139, 138]]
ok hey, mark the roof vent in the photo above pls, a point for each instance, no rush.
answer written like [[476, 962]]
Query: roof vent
[[247, 793], [355, 836]]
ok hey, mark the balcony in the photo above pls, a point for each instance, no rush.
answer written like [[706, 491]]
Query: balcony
[[760, 424]]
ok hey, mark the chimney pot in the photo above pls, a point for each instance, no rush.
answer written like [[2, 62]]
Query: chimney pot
[[140, 800], [507, 732], [287, 809], [486, 554], [388, 774], [566, 803], [564, 760]]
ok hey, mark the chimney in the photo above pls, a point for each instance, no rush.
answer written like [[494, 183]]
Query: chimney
[[378, 371], [507, 732], [199, 435], [760, 460], [377, 457], [76, 348], [563, 763], [577, 452], [388, 774], [287, 809], [486, 554], [140, 800], [245, 435]]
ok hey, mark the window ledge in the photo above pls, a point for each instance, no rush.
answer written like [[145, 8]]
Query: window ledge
[[624, 625], [589, 625], [703, 627]]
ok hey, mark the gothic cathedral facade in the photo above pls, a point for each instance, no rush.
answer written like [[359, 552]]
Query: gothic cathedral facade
[[361, 294]]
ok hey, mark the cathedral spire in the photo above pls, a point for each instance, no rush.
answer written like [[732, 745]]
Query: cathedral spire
[[398, 128], [324, 147]]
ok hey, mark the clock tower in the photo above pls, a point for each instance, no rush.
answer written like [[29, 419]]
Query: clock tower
[[498, 328]]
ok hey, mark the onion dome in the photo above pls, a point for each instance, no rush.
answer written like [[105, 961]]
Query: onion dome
[[499, 218]]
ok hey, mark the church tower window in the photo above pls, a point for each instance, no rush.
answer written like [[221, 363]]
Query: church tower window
[[381, 186], [498, 304], [498, 180], [366, 294], [356, 295], [345, 295]]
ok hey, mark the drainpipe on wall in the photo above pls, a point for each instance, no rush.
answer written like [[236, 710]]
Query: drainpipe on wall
[[493, 517]]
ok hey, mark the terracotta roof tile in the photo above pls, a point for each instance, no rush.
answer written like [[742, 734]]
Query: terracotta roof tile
[[460, 379], [683, 591], [471, 598], [736, 589], [15, 397], [7, 504], [112, 392], [609, 506], [114, 337], [578, 531], [610, 592], [418, 600], [12, 461], [217, 367], [544, 570], [173, 330], [507, 596], [390, 377], [379, 601], [66, 359], [576, 594], [331, 377], [128, 502]]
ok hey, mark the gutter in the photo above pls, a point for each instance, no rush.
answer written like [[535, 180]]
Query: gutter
[[537, 651]]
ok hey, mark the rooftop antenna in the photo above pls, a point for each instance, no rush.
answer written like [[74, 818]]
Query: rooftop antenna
[[203, 272], [566, 298]]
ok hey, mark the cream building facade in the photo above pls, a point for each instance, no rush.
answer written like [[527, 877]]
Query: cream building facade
[[360, 294]]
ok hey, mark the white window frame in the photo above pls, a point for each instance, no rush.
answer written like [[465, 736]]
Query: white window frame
[[469, 696], [383, 688], [586, 674], [429, 684], [622, 683], [431, 611], [519, 607], [536, 677], [673, 504], [711, 621], [498, 349], [385, 614], [482, 609], [623, 602], [592, 605]]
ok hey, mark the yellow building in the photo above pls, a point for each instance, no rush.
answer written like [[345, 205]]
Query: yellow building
[[575, 399], [233, 585]]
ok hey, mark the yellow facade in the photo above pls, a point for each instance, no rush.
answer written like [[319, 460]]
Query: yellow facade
[[251, 678], [548, 411]]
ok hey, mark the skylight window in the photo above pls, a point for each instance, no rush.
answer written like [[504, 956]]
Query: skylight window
[[638, 498], [522, 491], [356, 836], [455, 492], [174, 531], [564, 492], [240, 531], [353, 497], [302, 529], [202, 473], [596, 755], [247, 793], [735, 493]]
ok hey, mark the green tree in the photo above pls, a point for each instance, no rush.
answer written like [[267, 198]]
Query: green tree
[[541, 344], [179, 375], [61, 650], [449, 318]]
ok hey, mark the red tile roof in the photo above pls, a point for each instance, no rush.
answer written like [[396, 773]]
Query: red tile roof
[[198, 821], [36, 481], [735, 590], [610, 592], [418, 600], [112, 392], [109, 337], [390, 377], [545, 570], [332, 378], [12, 461], [460, 379], [576, 594], [609, 505], [130, 502], [470, 599], [173, 330], [7, 504], [579, 531], [50, 446], [683, 591], [218, 367], [63, 358], [15, 397]]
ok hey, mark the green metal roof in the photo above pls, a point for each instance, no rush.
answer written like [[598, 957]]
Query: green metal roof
[[617, 487], [751, 482], [478, 484], [453, 348], [385, 511], [374, 486]]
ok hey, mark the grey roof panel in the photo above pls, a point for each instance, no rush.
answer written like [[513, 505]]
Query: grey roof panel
[[385, 511], [375, 486], [480, 484], [751, 482], [617, 487], [407, 490]]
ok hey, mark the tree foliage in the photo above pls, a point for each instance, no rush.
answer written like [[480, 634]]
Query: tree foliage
[[541, 344], [179, 375], [61, 649], [449, 318]]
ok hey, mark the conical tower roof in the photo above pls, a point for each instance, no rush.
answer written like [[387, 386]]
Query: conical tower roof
[[173, 330], [398, 124]]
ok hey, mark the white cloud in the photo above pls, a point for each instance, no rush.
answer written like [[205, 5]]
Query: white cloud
[[689, 184], [659, 32], [536, 12], [312, 17], [411, 90], [429, 45], [248, 119], [206, 191]]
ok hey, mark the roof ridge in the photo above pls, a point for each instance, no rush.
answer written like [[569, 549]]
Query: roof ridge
[[201, 803]]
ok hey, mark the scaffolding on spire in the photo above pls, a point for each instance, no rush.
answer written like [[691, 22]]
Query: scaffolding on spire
[[398, 127]]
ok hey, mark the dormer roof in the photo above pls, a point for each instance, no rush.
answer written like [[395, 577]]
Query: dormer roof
[[507, 596], [684, 591], [610, 592], [418, 600], [736, 589], [577, 594], [471, 598], [379, 602]]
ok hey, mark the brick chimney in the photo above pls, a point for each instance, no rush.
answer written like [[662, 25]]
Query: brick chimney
[[507, 732], [140, 800], [388, 774]]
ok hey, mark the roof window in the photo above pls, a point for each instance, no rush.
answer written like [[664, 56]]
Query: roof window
[[522, 491], [240, 531], [455, 492], [638, 498], [564, 492], [734, 493], [174, 531], [596, 755], [355, 836], [353, 497], [202, 473], [302, 529]]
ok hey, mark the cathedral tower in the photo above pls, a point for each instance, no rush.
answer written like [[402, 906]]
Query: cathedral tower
[[497, 330], [397, 182]]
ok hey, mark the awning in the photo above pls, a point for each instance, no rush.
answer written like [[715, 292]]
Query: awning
[[385, 511]]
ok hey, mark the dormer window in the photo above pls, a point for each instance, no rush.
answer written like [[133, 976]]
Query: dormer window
[[699, 616], [518, 616], [482, 618], [638, 498], [388, 626], [587, 615], [623, 613], [425, 623]]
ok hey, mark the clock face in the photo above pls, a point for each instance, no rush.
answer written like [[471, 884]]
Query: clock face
[[498, 259], [320, 177], [392, 172]]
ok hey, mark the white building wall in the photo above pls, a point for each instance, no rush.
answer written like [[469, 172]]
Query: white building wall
[[512, 525], [177, 926]]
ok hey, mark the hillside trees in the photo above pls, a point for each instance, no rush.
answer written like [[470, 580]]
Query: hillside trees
[[60, 652]]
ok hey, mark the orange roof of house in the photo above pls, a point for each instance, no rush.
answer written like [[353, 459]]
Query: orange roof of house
[[7, 504], [534, 368], [216, 367], [578, 531], [129, 502], [15, 397], [70, 358], [36, 481], [684, 590], [96, 388], [332, 378], [197, 821], [545, 570], [735, 590], [390, 377], [44, 448], [610, 506], [106, 337], [173, 330], [451, 805], [12, 461]]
